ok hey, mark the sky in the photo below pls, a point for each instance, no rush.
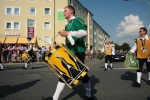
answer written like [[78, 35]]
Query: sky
[[120, 19]]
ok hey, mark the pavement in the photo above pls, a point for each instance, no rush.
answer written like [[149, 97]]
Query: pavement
[[33, 84]]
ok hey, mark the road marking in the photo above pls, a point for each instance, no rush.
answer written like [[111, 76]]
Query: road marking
[[120, 68]]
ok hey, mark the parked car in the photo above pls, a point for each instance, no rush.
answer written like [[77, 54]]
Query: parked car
[[118, 57]]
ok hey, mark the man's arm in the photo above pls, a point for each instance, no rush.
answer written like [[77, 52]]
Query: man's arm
[[113, 51], [102, 49], [134, 48], [79, 33]]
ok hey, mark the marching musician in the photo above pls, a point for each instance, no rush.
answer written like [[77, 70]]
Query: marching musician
[[1, 50], [142, 49], [108, 50], [74, 31], [30, 52]]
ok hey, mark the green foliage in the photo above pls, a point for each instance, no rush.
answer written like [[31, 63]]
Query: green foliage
[[124, 46]]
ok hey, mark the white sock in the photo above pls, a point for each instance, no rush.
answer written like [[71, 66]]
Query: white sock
[[26, 65], [59, 89], [106, 65], [111, 65], [148, 75], [139, 74], [33, 65], [1, 66], [88, 89]]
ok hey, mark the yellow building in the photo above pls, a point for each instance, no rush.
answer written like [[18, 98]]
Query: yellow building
[[39, 19]]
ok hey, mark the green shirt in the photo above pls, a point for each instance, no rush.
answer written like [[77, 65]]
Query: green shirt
[[75, 25]]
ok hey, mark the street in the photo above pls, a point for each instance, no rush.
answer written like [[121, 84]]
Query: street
[[33, 84]]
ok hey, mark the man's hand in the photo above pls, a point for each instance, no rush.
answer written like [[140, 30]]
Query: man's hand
[[63, 33]]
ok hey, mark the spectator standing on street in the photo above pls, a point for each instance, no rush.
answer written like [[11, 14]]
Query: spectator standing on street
[[50, 48], [54, 44], [15, 52], [9, 52], [5, 53], [1, 50], [109, 50], [21, 50]]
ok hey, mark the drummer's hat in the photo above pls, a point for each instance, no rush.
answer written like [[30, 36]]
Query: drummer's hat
[[29, 38]]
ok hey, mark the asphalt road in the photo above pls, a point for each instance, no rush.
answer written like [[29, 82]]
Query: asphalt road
[[33, 84]]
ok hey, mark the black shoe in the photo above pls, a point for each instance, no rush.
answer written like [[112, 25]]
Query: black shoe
[[111, 68], [48, 98], [105, 69], [1, 69], [136, 84], [148, 82], [87, 98], [24, 68], [33, 68]]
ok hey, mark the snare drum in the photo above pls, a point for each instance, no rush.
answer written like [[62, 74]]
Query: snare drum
[[26, 57], [66, 65]]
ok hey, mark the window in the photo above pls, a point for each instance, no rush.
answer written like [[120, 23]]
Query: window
[[76, 6], [47, 11], [84, 13], [9, 10], [47, 40], [46, 25], [12, 10], [32, 11], [16, 25], [16, 11], [71, 2], [47, 0], [32, 0], [12, 25], [8, 25], [81, 10]]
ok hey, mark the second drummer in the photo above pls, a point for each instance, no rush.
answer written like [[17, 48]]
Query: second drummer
[[30, 52], [142, 49]]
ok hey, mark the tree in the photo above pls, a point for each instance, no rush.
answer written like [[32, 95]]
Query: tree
[[117, 47], [125, 46]]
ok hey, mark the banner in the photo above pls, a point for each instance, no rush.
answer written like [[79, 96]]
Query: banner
[[30, 31], [30, 28], [60, 14]]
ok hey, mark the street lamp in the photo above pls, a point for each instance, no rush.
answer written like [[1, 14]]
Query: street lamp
[[142, 1]]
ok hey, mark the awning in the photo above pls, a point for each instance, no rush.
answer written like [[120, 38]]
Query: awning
[[22, 40], [34, 41], [2, 39], [11, 40]]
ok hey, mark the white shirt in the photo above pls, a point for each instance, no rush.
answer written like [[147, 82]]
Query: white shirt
[[135, 45], [30, 47], [78, 34], [113, 50]]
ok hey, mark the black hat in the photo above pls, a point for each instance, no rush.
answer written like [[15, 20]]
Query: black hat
[[29, 38]]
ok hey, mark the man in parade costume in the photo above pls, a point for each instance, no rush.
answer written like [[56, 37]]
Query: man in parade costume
[[75, 31], [109, 51], [142, 50], [30, 52]]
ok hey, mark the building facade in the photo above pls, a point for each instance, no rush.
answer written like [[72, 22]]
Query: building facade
[[40, 19], [99, 36]]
